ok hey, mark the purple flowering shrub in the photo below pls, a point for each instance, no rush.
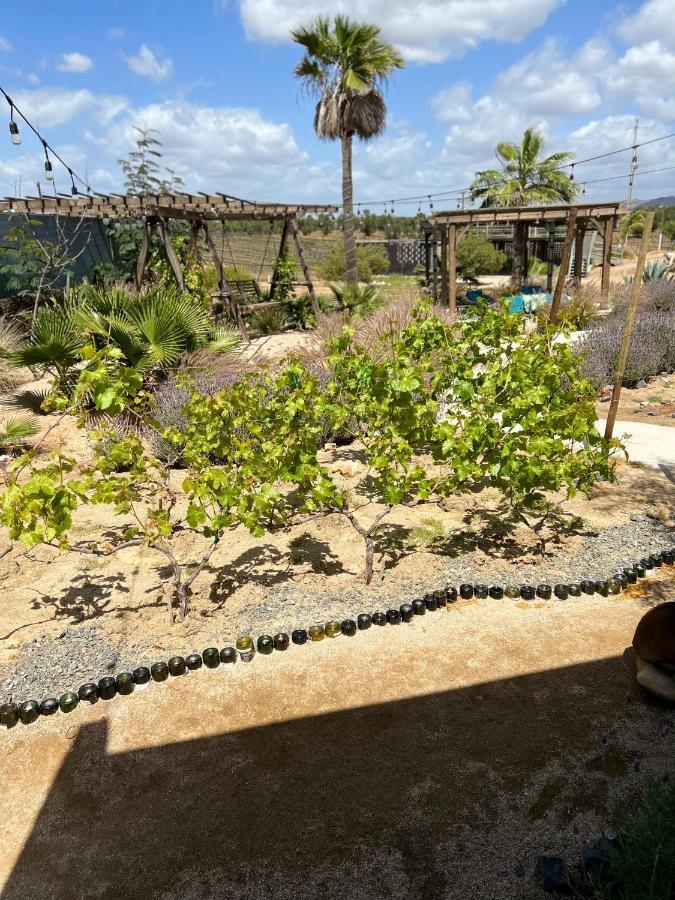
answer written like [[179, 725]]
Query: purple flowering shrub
[[652, 348]]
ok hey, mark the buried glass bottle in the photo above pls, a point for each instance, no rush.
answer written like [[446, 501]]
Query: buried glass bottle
[[68, 701], [141, 675], [466, 591], [614, 585], [348, 627], [512, 591], [333, 629], [430, 602], [281, 641], [316, 632], [441, 599], [407, 612], [602, 587], [363, 621], [481, 591], [49, 706], [88, 692], [451, 594], [527, 592], [561, 591], [379, 618], [194, 661], [9, 714], [177, 666], [544, 591], [630, 575], [107, 688], [228, 655], [265, 644], [640, 570], [574, 589], [299, 636], [419, 607], [125, 683], [496, 592], [588, 587], [159, 671], [29, 712], [394, 616]]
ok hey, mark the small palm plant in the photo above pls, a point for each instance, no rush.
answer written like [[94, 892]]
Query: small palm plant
[[524, 179], [358, 300], [153, 330], [15, 432], [345, 65]]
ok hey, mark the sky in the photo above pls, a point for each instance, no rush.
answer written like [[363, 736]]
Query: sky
[[215, 78]]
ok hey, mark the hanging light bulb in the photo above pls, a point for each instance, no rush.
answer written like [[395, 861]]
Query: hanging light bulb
[[49, 174], [73, 190], [13, 128], [583, 189], [572, 173], [431, 205]]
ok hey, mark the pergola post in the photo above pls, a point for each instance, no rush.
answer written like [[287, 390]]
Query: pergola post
[[432, 261], [564, 263], [170, 253], [427, 266], [606, 259], [222, 281], [452, 269], [579, 253], [550, 247], [305, 268], [445, 295], [143, 253], [282, 250]]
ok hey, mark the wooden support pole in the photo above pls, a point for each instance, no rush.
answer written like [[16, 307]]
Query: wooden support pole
[[171, 254], [608, 236], [223, 283], [550, 247], [427, 261], [143, 253], [579, 253], [445, 293], [195, 227], [305, 268], [564, 264], [628, 326], [452, 269], [282, 250]]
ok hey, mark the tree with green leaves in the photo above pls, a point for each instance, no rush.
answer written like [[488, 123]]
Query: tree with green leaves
[[345, 65], [142, 168], [524, 179]]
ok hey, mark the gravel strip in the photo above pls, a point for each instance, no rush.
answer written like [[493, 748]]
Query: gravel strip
[[50, 666]]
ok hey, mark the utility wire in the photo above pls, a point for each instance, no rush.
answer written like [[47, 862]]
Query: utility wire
[[46, 146]]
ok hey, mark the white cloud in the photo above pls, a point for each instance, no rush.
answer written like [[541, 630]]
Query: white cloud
[[32, 78], [453, 104], [5, 45], [424, 30], [653, 20], [115, 33], [49, 107], [147, 64], [75, 62], [646, 74]]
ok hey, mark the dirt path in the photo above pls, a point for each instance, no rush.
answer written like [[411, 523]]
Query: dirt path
[[432, 760]]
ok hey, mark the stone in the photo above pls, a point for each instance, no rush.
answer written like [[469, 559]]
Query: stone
[[641, 383], [658, 511], [553, 873]]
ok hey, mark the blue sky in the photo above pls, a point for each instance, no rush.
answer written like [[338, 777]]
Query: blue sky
[[215, 77]]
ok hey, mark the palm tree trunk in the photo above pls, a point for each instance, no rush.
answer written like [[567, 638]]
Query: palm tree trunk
[[352, 276], [519, 251]]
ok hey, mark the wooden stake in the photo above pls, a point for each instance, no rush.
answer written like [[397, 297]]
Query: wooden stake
[[171, 254], [452, 269], [564, 263], [282, 249], [628, 326], [143, 254], [607, 238]]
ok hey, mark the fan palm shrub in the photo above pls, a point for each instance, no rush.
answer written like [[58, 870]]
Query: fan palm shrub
[[344, 66], [15, 431], [153, 330], [524, 179], [358, 300]]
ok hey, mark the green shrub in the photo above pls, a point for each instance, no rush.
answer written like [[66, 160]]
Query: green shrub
[[476, 256], [371, 259], [358, 300], [642, 867], [269, 320]]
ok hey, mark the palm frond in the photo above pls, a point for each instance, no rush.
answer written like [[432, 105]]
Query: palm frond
[[16, 431]]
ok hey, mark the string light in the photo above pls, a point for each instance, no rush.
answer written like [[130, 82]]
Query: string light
[[572, 172], [13, 127], [49, 174], [73, 190]]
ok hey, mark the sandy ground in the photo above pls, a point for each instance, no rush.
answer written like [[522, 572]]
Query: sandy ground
[[654, 404], [432, 760]]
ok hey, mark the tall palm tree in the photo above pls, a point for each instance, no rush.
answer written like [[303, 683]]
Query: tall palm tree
[[524, 180], [345, 65]]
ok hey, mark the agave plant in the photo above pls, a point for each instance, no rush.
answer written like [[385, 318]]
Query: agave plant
[[153, 329], [358, 300], [16, 431]]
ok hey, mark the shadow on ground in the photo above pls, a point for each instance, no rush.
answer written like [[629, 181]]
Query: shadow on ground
[[449, 795]]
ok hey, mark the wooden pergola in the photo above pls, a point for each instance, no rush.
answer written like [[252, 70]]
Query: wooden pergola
[[450, 227], [156, 210]]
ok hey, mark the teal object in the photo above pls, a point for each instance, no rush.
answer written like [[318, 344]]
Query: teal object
[[474, 296], [517, 304]]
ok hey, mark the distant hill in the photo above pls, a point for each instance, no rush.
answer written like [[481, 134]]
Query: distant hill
[[658, 201]]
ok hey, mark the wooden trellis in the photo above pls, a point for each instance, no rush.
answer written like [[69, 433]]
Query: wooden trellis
[[156, 210], [450, 227]]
